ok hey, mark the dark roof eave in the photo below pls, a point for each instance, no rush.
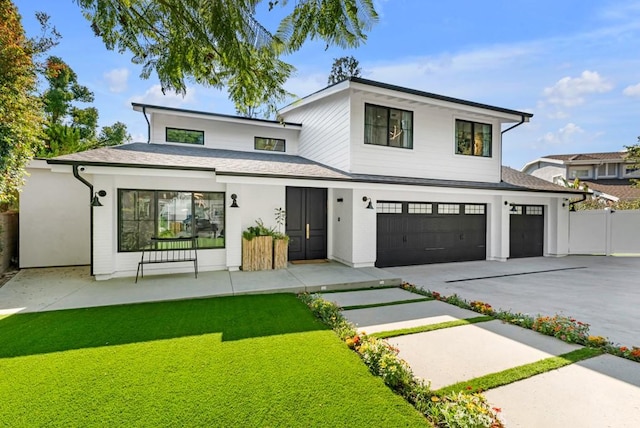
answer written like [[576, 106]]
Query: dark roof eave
[[462, 185], [423, 94], [205, 113], [128, 165]]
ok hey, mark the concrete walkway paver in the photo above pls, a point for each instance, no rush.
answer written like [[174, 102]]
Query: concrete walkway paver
[[598, 392], [370, 297], [452, 355], [387, 318], [595, 393]]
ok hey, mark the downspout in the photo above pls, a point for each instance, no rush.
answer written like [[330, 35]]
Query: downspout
[[523, 119], [144, 112], [76, 174], [571, 204]]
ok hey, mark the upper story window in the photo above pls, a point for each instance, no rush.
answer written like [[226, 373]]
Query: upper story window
[[473, 139], [384, 126], [269, 144], [580, 173], [187, 136], [608, 170], [631, 171]]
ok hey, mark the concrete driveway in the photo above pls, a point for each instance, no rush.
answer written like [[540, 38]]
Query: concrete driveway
[[601, 291]]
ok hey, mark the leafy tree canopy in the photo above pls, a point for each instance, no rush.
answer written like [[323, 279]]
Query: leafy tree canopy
[[344, 68], [20, 112], [220, 43], [69, 128], [633, 153]]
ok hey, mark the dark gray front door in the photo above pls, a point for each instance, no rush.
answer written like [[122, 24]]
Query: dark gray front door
[[307, 223], [526, 234]]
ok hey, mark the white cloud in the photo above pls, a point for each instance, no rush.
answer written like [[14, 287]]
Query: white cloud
[[154, 96], [563, 135], [117, 79], [570, 91], [632, 91]]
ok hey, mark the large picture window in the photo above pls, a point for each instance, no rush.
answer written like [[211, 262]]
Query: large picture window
[[385, 126], [145, 214], [187, 136], [473, 139]]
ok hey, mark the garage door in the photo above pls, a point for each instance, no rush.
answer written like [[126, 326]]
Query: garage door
[[526, 236], [411, 233]]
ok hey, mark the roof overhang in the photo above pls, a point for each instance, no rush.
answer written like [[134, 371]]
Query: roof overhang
[[148, 108], [412, 96]]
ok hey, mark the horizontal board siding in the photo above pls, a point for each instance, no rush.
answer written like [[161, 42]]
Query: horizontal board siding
[[223, 135], [324, 136], [433, 154]]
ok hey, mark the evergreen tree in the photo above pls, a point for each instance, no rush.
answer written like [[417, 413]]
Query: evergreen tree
[[344, 68]]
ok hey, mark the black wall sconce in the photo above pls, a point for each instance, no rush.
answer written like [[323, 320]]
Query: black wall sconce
[[234, 198], [95, 201], [512, 205], [365, 199]]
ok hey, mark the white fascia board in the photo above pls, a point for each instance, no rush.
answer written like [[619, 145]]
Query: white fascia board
[[323, 93], [132, 171], [213, 117], [346, 184], [38, 164], [449, 105]]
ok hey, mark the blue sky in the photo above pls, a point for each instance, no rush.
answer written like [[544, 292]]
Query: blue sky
[[574, 64]]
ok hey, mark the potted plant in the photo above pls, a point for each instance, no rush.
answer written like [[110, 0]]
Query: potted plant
[[280, 241], [257, 248]]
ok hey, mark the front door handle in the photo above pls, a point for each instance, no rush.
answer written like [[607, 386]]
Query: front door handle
[[307, 231]]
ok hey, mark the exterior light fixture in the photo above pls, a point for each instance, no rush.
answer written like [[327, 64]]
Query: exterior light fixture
[[365, 199], [234, 203], [95, 201]]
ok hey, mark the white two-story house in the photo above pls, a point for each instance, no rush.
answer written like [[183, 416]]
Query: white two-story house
[[369, 174], [608, 175]]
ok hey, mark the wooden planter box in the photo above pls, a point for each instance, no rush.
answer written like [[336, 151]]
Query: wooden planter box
[[280, 253], [257, 254]]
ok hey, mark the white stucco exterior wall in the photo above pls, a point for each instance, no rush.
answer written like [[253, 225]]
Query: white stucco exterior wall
[[54, 218]]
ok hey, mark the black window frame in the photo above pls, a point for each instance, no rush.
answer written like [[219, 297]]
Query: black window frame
[[155, 215], [473, 128], [170, 128], [388, 109], [275, 140]]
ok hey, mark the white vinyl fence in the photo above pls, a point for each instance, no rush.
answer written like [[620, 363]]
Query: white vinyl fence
[[608, 232]]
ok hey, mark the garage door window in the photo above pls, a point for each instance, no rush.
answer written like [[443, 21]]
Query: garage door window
[[534, 210], [516, 210], [474, 209], [420, 208], [448, 209], [389, 207]]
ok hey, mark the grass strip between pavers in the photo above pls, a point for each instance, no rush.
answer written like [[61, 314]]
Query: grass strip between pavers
[[378, 305], [357, 289], [525, 371], [430, 327]]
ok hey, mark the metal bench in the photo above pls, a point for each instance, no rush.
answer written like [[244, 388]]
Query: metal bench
[[169, 250]]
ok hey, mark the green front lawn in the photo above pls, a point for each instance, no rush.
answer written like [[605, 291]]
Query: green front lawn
[[233, 361]]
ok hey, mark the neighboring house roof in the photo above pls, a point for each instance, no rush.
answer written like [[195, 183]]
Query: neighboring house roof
[[588, 156], [519, 178], [229, 162], [373, 84], [620, 188]]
